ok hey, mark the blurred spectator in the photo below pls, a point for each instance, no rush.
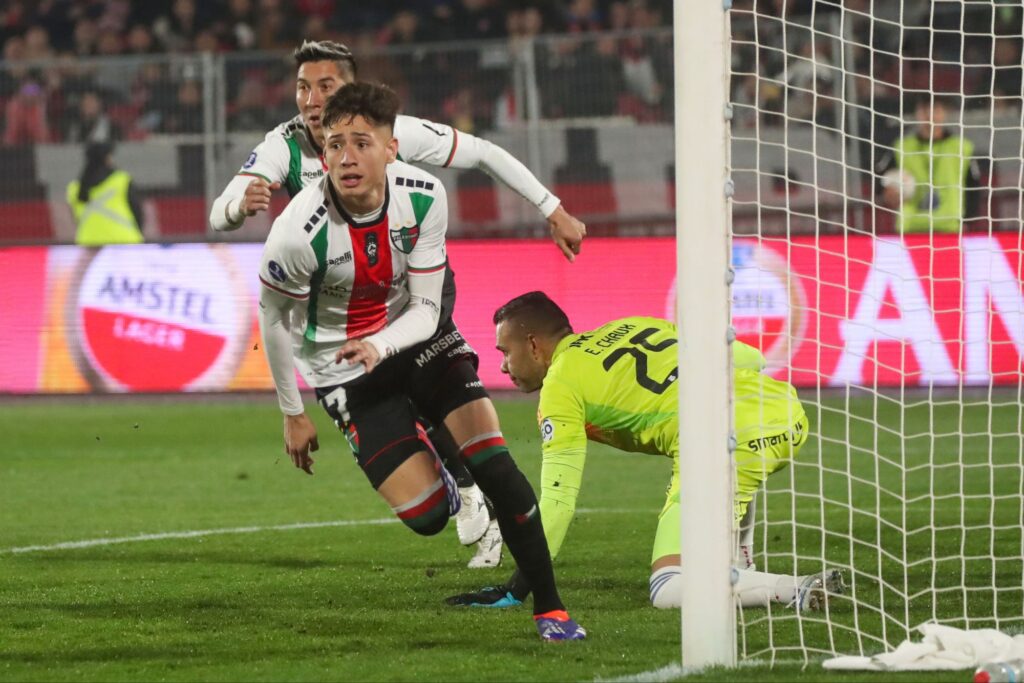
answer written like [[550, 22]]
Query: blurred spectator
[[114, 16], [104, 202], [475, 20], [206, 41], [176, 30], [274, 32], [13, 73], [931, 175], [239, 23], [581, 16], [186, 114], [85, 37], [250, 107], [25, 116], [37, 43], [646, 76], [90, 123], [1006, 81], [152, 94], [140, 40]]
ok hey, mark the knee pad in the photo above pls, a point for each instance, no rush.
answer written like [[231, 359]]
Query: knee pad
[[667, 588]]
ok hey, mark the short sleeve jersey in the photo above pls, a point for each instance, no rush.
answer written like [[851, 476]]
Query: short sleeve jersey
[[289, 155], [617, 385], [349, 277]]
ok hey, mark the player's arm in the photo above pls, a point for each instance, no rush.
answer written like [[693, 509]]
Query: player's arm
[[249, 192], [418, 320], [284, 275], [747, 357], [434, 143]]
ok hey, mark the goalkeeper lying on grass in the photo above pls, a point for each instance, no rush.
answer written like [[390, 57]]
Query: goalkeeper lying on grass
[[615, 385]]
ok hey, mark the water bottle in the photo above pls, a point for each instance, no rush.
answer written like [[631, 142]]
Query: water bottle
[[1010, 671]]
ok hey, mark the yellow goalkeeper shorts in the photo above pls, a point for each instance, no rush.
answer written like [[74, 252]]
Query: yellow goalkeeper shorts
[[755, 460]]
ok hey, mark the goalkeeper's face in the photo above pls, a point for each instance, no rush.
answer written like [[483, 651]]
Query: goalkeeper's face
[[523, 357]]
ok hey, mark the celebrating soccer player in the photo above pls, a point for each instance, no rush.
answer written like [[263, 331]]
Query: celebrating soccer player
[[292, 156], [352, 277], [616, 385]]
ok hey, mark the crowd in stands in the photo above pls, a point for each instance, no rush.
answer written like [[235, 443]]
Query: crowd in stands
[[587, 56], [47, 95]]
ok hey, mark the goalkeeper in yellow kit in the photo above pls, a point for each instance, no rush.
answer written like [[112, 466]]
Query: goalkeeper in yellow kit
[[616, 385]]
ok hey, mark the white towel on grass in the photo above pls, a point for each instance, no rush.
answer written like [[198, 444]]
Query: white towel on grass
[[942, 648]]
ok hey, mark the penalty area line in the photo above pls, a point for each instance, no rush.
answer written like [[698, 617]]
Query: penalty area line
[[199, 533]]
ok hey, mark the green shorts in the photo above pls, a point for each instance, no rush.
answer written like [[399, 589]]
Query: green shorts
[[755, 460]]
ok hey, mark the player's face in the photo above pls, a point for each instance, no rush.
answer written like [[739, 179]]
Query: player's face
[[316, 81], [357, 154], [521, 359]]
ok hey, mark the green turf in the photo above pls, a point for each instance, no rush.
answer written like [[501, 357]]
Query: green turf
[[363, 602]]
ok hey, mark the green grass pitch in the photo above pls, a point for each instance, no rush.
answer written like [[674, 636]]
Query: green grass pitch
[[363, 601]]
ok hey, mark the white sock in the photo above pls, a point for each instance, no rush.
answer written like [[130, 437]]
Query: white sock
[[758, 589], [667, 588], [743, 558]]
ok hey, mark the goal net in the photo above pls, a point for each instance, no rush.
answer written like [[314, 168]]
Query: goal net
[[876, 155]]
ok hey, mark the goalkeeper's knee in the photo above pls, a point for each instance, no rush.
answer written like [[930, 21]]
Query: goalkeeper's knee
[[667, 588]]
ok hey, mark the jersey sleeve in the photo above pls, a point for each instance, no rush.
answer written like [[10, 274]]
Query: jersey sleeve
[[429, 254], [287, 265], [269, 160], [425, 142], [564, 447]]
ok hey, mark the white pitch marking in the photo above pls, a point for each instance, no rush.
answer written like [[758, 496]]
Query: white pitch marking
[[199, 533], [675, 672]]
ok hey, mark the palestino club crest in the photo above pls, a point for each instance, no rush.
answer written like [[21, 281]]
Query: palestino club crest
[[405, 239], [769, 307], [159, 318]]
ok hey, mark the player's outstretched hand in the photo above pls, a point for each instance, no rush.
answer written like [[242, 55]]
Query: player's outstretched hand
[[359, 351], [300, 440], [567, 232], [491, 596], [257, 196]]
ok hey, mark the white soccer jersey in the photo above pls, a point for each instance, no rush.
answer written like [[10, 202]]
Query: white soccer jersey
[[289, 156], [350, 277]]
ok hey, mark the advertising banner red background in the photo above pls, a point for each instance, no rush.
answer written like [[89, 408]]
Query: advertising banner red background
[[830, 311]]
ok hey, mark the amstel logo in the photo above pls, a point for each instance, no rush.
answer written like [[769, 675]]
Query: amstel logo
[[159, 318]]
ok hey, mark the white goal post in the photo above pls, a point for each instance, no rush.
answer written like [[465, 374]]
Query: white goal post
[[855, 170], [705, 470]]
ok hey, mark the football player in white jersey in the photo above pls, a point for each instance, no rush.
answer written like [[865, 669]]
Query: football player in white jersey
[[352, 275], [291, 156]]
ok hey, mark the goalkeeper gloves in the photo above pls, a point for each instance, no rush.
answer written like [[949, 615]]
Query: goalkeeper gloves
[[491, 596]]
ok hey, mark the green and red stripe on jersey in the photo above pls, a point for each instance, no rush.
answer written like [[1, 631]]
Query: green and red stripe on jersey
[[425, 508], [291, 295], [482, 448], [428, 270]]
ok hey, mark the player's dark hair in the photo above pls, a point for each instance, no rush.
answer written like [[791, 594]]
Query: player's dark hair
[[536, 313], [378, 104], [327, 51]]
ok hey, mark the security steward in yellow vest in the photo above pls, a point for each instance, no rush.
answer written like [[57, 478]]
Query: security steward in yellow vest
[[946, 174], [103, 201]]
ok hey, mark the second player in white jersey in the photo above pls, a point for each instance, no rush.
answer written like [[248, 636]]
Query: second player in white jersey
[[349, 272], [289, 155]]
